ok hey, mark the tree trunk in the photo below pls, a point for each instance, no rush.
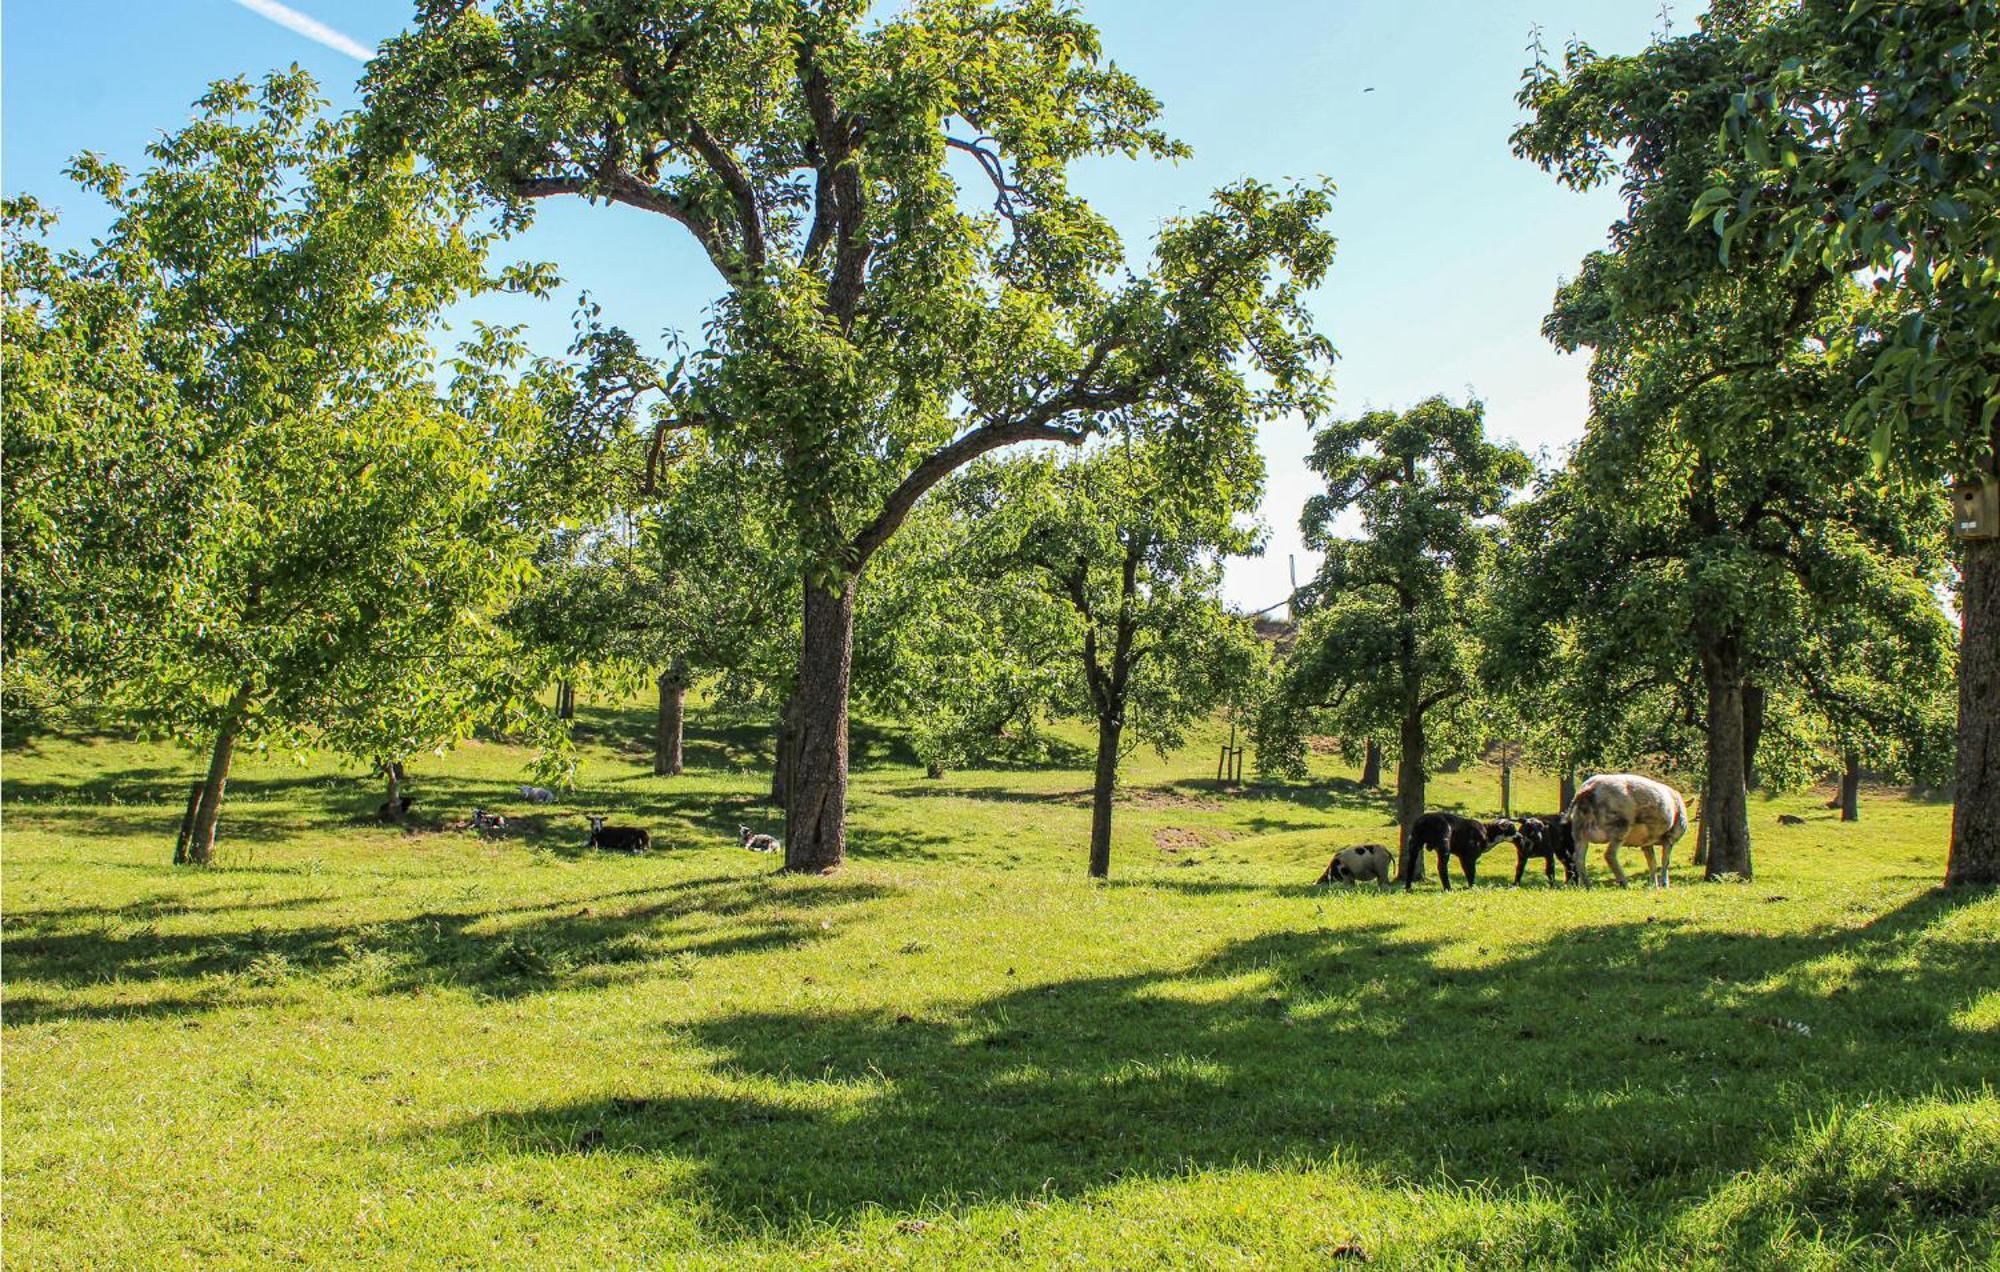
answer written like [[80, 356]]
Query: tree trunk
[[1566, 792], [1723, 806], [1753, 732], [1371, 765], [1506, 790], [187, 822], [1109, 727], [1700, 840], [816, 794], [782, 752], [934, 770], [1975, 814], [565, 700], [1850, 788], [393, 771], [1409, 794], [667, 754], [201, 842]]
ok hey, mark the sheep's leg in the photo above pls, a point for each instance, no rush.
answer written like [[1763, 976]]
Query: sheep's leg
[[1465, 863], [1652, 867], [1444, 872], [1611, 847], [1666, 854], [1520, 864]]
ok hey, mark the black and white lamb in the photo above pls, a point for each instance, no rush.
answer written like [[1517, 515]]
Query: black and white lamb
[[758, 843]]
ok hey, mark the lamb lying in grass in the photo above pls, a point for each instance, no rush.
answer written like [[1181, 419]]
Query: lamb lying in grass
[[537, 794], [758, 843], [618, 838], [483, 820]]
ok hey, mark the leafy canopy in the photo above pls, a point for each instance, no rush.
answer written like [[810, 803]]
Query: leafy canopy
[[240, 492], [906, 281]]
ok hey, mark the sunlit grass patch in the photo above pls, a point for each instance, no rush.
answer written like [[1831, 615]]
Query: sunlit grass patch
[[352, 1044]]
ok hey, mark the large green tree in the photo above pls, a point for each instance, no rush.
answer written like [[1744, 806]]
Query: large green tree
[[905, 281], [1800, 146], [1712, 522], [1389, 642], [1125, 545], [327, 533]]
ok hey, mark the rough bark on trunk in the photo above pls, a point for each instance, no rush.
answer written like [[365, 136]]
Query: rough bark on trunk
[[187, 822], [667, 748], [201, 841], [1753, 732], [565, 700], [1724, 809], [1108, 730], [1975, 814], [1409, 795], [1371, 765], [782, 753], [1850, 788], [816, 794], [393, 771], [1566, 792]]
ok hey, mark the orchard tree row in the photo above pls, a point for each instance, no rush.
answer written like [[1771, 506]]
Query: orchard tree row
[[946, 446]]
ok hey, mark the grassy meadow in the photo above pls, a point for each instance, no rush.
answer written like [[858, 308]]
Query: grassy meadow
[[348, 1042]]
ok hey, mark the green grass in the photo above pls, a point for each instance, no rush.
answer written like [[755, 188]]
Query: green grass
[[347, 1043]]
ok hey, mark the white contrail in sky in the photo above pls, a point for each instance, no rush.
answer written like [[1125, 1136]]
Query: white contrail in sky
[[311, 28]]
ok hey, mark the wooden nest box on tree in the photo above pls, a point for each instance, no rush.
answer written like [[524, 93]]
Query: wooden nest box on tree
[[1975, 508]]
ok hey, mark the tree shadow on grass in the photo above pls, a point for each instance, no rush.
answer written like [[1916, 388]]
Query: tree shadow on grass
[[527, 951], [1643, 1063]]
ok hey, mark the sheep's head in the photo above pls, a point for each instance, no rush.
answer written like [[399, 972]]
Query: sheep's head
[[596, 822]]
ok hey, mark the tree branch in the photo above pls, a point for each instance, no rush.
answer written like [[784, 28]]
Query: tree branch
[[620, 186], [838, 207], [940, 464], [989, 162], [723, 164]]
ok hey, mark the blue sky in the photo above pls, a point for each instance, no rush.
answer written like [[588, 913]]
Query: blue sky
[[1450, 248]]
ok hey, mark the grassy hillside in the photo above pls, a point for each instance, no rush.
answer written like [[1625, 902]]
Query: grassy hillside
[[348, 1043]]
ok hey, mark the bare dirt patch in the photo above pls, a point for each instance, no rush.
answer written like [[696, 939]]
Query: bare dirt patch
[[1184, 839], [1167, 797]]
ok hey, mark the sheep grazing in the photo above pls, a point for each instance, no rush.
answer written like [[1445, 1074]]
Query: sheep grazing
[[1449, 835], [1550, 839], [390, 811], [537, 794], [758, 843], [1362, 861], [1790, 819], [1624, 809], [618, 838]]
